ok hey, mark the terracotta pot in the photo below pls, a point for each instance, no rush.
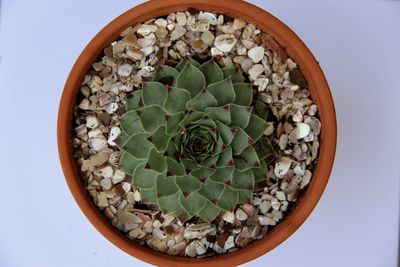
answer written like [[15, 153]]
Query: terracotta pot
[[295, 48]]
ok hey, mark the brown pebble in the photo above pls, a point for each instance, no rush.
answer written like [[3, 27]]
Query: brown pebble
[[104, 118], [221, 239], [297, 77]]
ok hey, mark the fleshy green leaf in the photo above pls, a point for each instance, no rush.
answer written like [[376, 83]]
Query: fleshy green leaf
[[234, 73], [212, 72], [192, 203], [176, 100], [166, 75], [245, 196], [225, 158], [169, 203], [173, 122], [260, 109], [143, 177], [209, 212], [222, 175], [201, 101], [134, 101], [138, 146], [160, 138], [192, 79], [190, 117], [156, 161], [244, 94], [187, 183], [151, 117], [256, 127], [174, 167], [130, 123], [153, 93], [240, 115], [221, 114], [240, 142], [243, 180], [149, 196], [166, 185], [202, 174], [228, 199], [128, 163], [227, 133], [260, 173], [212, 191], [263, 148], [223, 92]]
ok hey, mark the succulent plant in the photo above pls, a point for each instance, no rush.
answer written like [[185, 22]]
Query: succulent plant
[[191, 141]]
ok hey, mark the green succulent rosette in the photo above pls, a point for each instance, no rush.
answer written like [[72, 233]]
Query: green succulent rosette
[[192, 140]]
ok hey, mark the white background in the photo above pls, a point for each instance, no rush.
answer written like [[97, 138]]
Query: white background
[[355, 223]]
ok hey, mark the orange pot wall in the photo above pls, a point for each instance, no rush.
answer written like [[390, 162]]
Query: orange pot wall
[[295, 48]]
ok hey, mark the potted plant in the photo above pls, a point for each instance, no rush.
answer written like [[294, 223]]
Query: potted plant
[[196, 133]]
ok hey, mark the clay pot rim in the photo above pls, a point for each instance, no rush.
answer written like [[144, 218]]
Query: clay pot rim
[[296, 49]]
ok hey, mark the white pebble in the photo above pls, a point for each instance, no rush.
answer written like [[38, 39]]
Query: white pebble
[[306, 179], [280, 195], [302, 130], [99, 144], [106, 183], [107, 172], [125, 70], [264, 220], [256, 53], [114, 132], [282, 167], [146, 29], [230, 242], [92, 122], [241, 215], [255, 71], [265, 206], [118, 177], [228, 217], [225, 42], [181, 18]]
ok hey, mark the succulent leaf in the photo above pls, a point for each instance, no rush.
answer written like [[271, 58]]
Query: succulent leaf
[[192, 140]]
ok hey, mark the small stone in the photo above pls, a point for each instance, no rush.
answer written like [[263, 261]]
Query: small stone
[[136, 233], [148, 227], [302, 130], [147, 50], [138, 197], [238, 24], [181, 18], [270, 129], [106, 183], [306, 179], [262, 84], [264, 220], [283, 141], [85, 104], [127, 217], [161, 32], [191, 250], [111, 108], [201, 25], [280, 195], [159, 234], [265, 206], [114, 158], [200, 248], [246, 64], [114, 132], [216, 52], [130, 197], [199, 46], [210, 17], [282, 167], [102, 200], [207, 37], [256, 54], [92, 122], [168, 219], [298, 116], [118, 176], [162, 23], [126, 186], [125, 70], [147, 40], [275, 204], [107, 172], [225, 42], [241, 215], [312, 110], [230, 242], [104, 118], [249, 209], [255, 71], [296, 77], [177, 249], [99, 144], [228, 217], [145, 29], [134, 53], [178, 32]]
